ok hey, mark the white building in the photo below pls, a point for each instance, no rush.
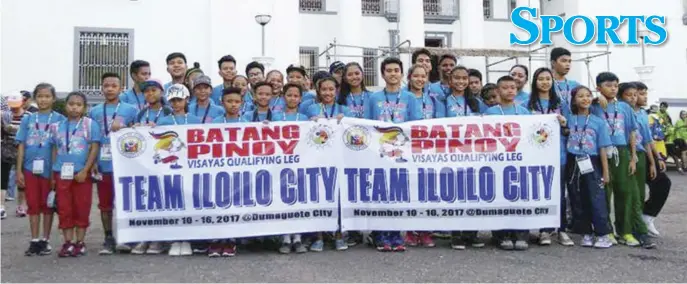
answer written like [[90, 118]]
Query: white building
[[70, 42]]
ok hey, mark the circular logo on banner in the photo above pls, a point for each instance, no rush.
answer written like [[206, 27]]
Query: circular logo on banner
[[131, 145], [541, 135], [356, 138], [320, 136]]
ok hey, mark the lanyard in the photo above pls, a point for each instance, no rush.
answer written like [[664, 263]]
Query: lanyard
[[446, 89], [240, 119], [47, 124], [324, 111], [514, 107], [156, 116], [541, 107], [615, 118], [465, 107], [276, 102], [205, 116], [268, 117], [298, 116], [185, 119], [66, 133], [563, 92], [358, 114], [398, 99], [138, 102], [582, 134], [114, 115], [244, 106]]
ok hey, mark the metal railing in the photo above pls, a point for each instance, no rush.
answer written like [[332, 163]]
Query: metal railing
[[99, 53], [372, 7], [312, 5], [434, 10]]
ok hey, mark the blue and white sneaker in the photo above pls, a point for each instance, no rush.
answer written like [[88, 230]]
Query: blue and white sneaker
[[317, 246], [340, 245]]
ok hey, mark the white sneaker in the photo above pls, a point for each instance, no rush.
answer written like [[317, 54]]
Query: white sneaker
[[649, 221], [140, 248], [603, 242], [154, 248], [123, 248], [3, 213], [565, 240], [544, 239], [186, 249], [588, 241], [175, 249]]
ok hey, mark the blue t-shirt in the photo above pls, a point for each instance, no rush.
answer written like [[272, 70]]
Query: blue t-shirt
[[248, 104], [261, 116], [439, 91], [179, 120], [308, 97], [206, 114], [357, 104], [509, 110], [36, 136], [620, 120], [81, 134], [594, 136], [137, 100], [217, 93], [328, 111], [457, 106], [148, 115], [392, 107], [168, 84], [278, 104], [224, 119], [522, 97], [292, 116], [124, 113], [563, 89], [542, 107], [428, 107], [643, 135]]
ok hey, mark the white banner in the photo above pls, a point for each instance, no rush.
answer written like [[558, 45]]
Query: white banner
[[472, 173], [221, 181]]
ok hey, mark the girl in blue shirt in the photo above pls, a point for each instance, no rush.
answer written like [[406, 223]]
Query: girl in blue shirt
[[177, 96], [34, 161], [587, 171], [428, 106], [75, 149], [353, 93], [262, 96], [241, 82], [544, 100], [521, 74], [203, 107], [292, 95], [155, 109], [460, 101], [326, 106], [489, 95], [276, 79]]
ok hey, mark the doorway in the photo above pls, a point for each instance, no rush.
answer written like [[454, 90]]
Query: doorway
[[434, 76]]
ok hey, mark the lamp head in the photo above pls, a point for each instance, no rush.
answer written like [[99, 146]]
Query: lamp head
[[263, 19]]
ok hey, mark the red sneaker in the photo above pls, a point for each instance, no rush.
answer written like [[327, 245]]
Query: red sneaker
[[412, 239], [215, 250], [426, 240], [79, 249], [67, 250], [229, 250], [400, 248], [387, 248]]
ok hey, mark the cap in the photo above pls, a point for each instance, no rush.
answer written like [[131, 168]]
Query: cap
[[202, 79], [26, 94], [336, 66], [177, 91], [152, 83], [14, 99], [319, 76], [298, 68]]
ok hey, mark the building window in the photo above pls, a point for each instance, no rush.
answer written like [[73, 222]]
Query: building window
[[370, 66], [371, 7], [309, 59], [513, 5], [432, 7], [312, 5], [99, 51], [498, 9]]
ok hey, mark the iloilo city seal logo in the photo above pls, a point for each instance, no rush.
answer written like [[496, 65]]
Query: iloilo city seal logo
[[131, 145], [320, 136], [540, 135], [356, 138]]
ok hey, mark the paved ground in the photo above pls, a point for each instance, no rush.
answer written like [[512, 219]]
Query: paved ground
[[550, 264]]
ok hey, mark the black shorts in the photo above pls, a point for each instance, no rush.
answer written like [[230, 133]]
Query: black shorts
[[5, 175], [680, 145]]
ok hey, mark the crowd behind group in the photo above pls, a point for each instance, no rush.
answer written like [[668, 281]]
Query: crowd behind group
[[611, 146]]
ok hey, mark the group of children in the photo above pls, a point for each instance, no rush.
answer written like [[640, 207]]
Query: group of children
[[606, 144]]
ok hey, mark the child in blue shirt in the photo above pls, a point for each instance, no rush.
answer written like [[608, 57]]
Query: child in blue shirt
[[292, 96], [507, 89], [461, 102], [75, 148], [151, 114], [521, 74], [177, 96], [34, 163], [241, 82], [140, 72], [442, 89], [110, 116], [587, 171], [232, 101], [203, 107], [353, 92], [262, 96], [326, 106], [227, 70], [622, 128], [544, 100]]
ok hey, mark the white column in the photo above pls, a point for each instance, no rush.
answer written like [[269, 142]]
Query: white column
[[411, 17], [350, 30], [283, 46], [472, 31]]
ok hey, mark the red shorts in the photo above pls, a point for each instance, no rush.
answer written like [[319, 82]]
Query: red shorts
[[106, 193], [36, 190], [73, 202]]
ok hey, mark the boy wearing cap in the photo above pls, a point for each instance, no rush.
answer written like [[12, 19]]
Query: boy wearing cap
[[155, 110], [202, 106], [111, 116], [10, 126], [140, 73], [336, 69], [297, 75]]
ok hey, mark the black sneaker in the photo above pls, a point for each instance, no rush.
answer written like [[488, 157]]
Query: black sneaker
[[458, 243], [475, 242], [647, 242], [45, 248], [108, 246], [34, 249]]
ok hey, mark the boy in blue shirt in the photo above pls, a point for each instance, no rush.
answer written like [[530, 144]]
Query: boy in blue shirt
[[232, 101], [507, 89], [34, 161], [109, 116], [442, 88], [176, 67], [140, 73], [622, 128], [155, 109], [262, 98], [227, 70], [292, 96], [203, 107]]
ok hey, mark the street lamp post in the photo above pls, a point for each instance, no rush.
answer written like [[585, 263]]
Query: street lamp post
[[263, 20]]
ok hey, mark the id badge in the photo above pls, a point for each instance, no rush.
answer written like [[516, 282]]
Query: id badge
[[37, 166], [67, 171], [585, 164], [106, 153], [610, 151]]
